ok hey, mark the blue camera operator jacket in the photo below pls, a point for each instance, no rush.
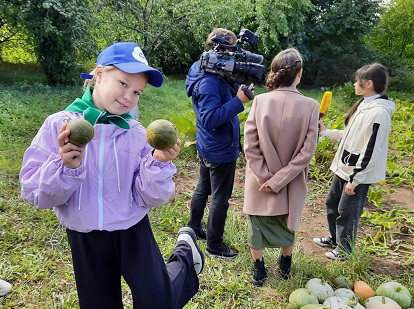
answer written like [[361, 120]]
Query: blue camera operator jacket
[[218, 127]]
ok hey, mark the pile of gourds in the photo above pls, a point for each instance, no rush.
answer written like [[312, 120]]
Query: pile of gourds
[[318, 294]]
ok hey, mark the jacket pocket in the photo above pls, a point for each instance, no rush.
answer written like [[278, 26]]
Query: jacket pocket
[[349, 159]]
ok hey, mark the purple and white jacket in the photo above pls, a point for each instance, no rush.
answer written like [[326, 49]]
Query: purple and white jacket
[[113, 188]]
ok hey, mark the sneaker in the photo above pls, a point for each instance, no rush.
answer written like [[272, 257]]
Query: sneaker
[[325, 242], [5, 287], [335, 255], [187, 234], [224, 252]]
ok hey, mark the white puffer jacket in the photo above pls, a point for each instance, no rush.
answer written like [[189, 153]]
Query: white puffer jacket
[[362, 153]]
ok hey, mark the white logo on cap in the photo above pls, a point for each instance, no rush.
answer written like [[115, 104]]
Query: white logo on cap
[[139, 55]]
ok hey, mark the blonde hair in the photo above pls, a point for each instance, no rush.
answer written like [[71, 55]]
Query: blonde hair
[[91, 82]]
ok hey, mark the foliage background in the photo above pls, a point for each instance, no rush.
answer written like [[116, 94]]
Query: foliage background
[[335, 37]]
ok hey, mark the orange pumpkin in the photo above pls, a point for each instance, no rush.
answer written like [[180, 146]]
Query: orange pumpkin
[[363, 290]]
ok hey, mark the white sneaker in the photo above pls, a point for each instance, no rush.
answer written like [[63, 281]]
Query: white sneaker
[[325, 242], [188, 235], [5, 287], [335, 255]]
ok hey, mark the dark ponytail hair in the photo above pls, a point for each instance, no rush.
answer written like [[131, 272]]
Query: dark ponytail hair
[[284, 69], [375, 72]]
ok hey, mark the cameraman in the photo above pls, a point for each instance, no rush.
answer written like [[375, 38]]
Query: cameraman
[[216, 103]]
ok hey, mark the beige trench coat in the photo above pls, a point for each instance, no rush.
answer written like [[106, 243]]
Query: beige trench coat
[[280, 139]]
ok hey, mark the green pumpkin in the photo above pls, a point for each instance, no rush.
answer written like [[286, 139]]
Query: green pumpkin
[[301, 297], [81, 131], [396, 291], [162, 134], [343, 282], [321, 289], [335, 302], [344, 292]]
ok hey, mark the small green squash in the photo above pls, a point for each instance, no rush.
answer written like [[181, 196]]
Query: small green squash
[[335, 302], [343, 282], [396, 291], [343, 292], [162, 134], [321, 289], [301, 297], [81, 131]]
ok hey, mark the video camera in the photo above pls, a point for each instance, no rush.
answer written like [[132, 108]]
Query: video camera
[[232, 61]]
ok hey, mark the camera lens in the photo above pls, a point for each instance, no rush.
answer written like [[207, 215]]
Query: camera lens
[[252, 57], [249, 69]]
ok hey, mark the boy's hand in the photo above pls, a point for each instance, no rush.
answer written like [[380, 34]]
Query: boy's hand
[[71, 154], [265, 188], [242, 96], [349, 189], [169, 154]]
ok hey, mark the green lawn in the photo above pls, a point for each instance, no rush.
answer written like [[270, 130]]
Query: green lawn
[[34, 253]]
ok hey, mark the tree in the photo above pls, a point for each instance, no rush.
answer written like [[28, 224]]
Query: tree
[[58, 29], [8, 22], [150, 22], [280, 24], [172, 33], [392, 43], [395, 31], [10, 27], [334, 41]]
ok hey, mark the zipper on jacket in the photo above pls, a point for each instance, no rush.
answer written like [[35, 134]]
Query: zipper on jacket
[[100, 177], [344, 137]]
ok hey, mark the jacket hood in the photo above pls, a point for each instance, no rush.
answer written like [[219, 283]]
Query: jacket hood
[[193, 76], [382, 102]]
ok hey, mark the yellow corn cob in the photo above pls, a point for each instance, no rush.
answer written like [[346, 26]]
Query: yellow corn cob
[[325, 103]]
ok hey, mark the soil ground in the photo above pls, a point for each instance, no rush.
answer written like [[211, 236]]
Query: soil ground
[[313, 217]]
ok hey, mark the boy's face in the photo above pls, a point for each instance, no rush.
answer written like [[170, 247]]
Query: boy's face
[[118, 92]]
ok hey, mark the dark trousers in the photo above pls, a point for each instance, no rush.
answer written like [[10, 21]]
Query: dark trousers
[[216, 179], [100, 258], [343, 212]]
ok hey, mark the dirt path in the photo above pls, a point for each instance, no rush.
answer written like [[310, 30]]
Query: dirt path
[[314, 216]]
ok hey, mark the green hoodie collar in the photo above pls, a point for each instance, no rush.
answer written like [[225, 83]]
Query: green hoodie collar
[[92, 114]]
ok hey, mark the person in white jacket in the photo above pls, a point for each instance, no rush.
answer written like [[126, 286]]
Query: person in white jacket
[[360, 160]]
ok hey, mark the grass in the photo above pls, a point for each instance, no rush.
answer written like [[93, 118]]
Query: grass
[[34, 253]]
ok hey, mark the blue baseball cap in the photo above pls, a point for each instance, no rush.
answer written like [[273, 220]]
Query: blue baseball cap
[[128, 57]]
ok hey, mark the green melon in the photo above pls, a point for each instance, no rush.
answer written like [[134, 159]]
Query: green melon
[[343, 282], [301, 297], [397, 292], [81, 131], [162, 134]]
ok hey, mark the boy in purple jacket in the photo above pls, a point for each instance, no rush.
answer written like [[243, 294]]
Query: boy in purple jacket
[[101, 192]]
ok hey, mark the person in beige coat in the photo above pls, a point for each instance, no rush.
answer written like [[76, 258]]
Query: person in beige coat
[[280, 139]]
